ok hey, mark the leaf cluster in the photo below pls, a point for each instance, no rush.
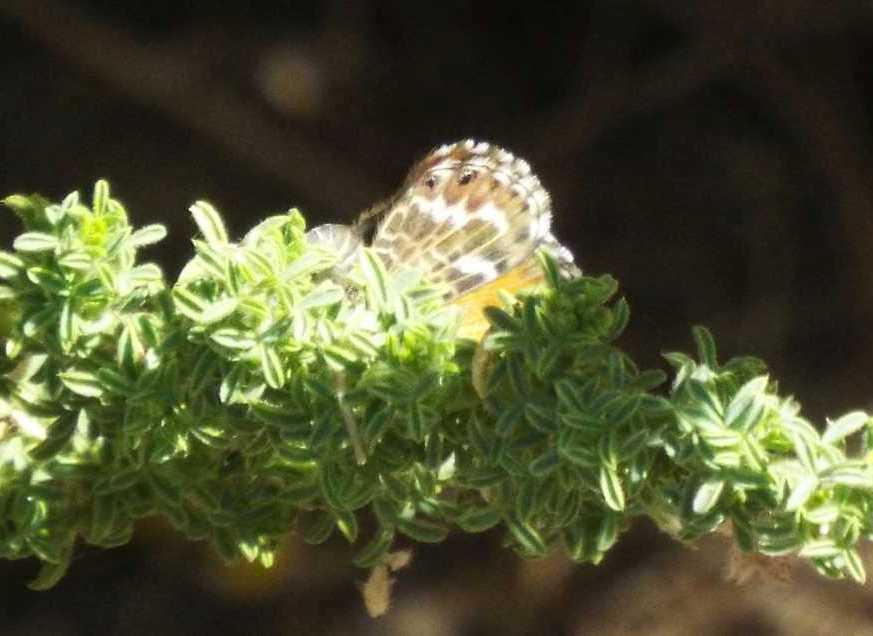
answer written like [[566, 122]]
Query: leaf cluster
[[265, 392]]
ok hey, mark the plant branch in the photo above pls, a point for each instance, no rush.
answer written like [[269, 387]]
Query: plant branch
[[258, 394]]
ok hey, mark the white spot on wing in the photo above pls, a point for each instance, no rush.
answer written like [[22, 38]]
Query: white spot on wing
[[440, 212], [491, 213], [476, 265]]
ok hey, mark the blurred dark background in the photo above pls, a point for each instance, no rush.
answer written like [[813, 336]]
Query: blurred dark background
[[714, 156]]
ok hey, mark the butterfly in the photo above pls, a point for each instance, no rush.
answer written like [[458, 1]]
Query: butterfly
[[470, 216]]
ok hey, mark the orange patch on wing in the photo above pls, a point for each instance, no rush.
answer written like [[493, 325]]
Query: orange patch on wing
[[473, 321]]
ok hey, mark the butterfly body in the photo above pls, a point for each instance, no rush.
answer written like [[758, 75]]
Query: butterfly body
[[471, 216]]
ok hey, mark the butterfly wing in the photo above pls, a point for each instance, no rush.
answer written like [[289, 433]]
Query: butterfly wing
[[468, 214]]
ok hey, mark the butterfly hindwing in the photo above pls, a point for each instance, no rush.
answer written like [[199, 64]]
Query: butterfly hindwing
[[468, 213]]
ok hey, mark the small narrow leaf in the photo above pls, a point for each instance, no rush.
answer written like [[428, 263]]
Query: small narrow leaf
[[706, 350], [82, 383], [218, 310], [620, 317], [147, 235], [376, 277], [189, 304], [707, 496], [233, 339], [210, 224], [844, 426], [475, 519], [801, 493], [529, 540], [35, 242], [100, 197], [745, 409], [611, 489], [10, 265], [347, 523], [49, 574], [271, 367], [422, 530]]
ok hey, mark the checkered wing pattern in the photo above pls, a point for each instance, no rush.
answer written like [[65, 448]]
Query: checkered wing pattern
[[467, 214]]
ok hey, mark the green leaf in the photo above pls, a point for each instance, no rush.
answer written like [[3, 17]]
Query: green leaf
[[10, 265], [271, 367], [824, 514], [745, 409], [19, 203], [116, 382], [704, 401], [478, 519], [545, 464], [77, 261], [805, 448], [68, 327], [620, 318], [820, 549], [707, 496], [649, 379], [529, 541], [82, 383], [422, 530], [801, 493], [581, 454], [49, 574], [233, 339], [846, 425], [129, 350], [854, 566], [322, 297], [218, 310], [189, 304], [147, 235], [35, 242], [316, 527], [378, 292], [541, 417], [54, 213], [611, 489], [706, 351], [209, 222], [858, 475], [339, 358], [347, 523]]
